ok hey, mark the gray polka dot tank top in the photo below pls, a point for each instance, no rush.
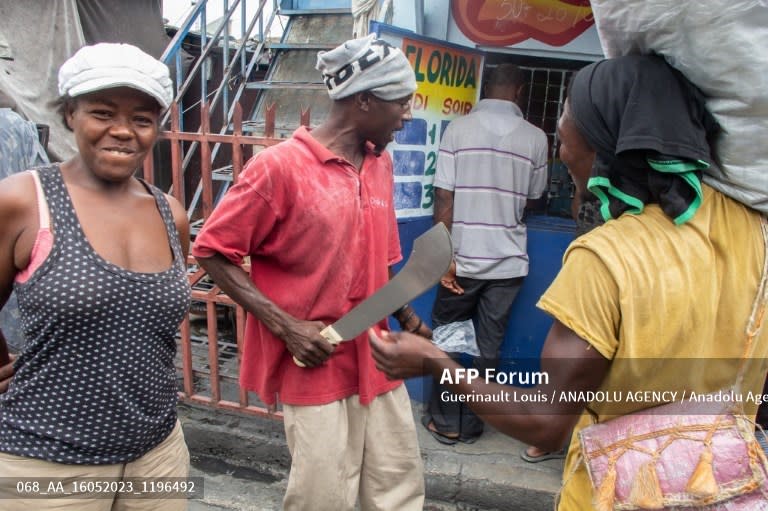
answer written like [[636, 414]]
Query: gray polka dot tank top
[[95, 382]]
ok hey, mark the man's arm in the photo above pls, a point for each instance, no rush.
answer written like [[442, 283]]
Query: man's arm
[[537, 187], [570, 363], [408, 319], [534, 204], [443, 207], [443, 212], [302, 338]]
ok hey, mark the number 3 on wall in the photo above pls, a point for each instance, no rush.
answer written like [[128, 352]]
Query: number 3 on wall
[[429, 195]]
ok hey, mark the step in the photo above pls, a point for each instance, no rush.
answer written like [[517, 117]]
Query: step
[[485, 476]]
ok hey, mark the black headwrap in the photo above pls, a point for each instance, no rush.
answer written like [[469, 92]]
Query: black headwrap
[[650, 130]]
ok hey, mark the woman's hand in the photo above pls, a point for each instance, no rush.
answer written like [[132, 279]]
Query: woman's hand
[[402, 355], [6, 374]]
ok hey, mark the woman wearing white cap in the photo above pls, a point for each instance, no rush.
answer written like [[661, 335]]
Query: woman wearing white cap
[[97, 260]]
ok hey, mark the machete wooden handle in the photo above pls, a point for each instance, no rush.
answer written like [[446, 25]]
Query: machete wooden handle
[[330, 335]]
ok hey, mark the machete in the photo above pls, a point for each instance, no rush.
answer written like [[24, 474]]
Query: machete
[[430, 258]]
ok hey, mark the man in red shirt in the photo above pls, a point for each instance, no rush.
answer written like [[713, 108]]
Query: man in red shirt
[[316, 216]]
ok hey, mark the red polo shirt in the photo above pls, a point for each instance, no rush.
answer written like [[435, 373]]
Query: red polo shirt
[[321, 237]]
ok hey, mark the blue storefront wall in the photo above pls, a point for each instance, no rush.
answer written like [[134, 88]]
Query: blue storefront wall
[[548, 237]]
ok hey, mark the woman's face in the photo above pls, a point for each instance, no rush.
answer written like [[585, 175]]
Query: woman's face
[[575, 152], [115, 129]]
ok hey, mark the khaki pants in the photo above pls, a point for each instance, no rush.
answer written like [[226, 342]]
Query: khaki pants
[[169, 459], [343, 449]]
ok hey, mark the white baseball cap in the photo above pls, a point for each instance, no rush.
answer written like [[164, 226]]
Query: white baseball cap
[[108, 65]]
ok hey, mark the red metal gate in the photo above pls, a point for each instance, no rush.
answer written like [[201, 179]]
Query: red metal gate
[[209, 363]]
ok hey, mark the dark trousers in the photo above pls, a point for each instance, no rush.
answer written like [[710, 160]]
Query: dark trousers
[[487, 303]]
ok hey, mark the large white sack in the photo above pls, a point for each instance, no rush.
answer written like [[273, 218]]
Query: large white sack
[[722, 47]]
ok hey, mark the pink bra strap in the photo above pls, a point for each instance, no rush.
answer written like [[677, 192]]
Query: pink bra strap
[[42, 204]]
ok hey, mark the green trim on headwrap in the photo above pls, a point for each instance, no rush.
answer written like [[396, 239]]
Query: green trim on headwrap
[[677, 166], [686, 169], [602, 188], [634, 107]]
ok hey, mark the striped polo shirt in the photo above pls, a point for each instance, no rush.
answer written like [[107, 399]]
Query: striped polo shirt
[[493, 160]]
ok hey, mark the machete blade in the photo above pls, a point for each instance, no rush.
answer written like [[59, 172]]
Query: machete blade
[[430, 258]]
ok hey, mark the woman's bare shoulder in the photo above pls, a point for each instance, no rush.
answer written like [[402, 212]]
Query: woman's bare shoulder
[[17, 195], [18, 221]]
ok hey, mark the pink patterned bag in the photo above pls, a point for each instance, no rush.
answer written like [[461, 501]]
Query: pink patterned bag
[[682, 454], [675, 458]]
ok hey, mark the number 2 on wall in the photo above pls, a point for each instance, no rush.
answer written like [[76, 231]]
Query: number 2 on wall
[[431, 161]]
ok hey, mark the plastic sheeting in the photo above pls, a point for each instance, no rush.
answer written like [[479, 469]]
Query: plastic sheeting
[[138, 22], [41, 34], [365, 11], [722, 47], [458, 337]]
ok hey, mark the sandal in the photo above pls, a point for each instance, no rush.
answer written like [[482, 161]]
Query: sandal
[[426, 421], [554, 455]]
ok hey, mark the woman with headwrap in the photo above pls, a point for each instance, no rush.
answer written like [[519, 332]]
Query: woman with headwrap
[[656, 299], [650, 131]]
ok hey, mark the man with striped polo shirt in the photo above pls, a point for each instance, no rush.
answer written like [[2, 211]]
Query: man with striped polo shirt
[[492, 162]]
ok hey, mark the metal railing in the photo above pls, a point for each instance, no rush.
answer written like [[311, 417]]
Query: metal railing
[[237, 67], [209, 363]]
